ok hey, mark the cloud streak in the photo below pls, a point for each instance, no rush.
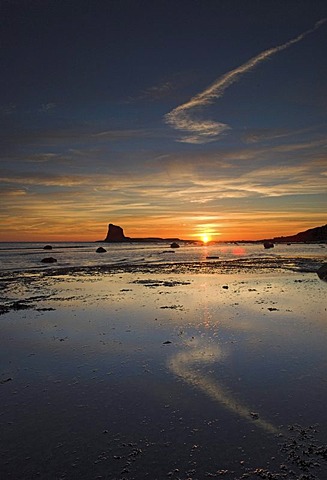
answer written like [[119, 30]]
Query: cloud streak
[[186, 366], [205, 131]]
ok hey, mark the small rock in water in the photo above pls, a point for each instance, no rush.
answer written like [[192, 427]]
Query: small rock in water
[[254, 415], [322, 272], [5, 380], [49, 260], [47, 247], [166, 342], [101, 250]]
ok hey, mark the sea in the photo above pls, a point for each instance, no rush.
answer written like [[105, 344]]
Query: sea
[[27, 257]]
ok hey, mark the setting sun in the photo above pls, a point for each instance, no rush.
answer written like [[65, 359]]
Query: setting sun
[[205, 238]]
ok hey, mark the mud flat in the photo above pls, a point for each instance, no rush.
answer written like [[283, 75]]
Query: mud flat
[[159, 373]]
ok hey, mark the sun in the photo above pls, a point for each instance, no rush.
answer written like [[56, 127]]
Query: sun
[[205, 238]]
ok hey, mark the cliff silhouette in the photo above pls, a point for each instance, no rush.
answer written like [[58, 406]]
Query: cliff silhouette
[[317, 234]]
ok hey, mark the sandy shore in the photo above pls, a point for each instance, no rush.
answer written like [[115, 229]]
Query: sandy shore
[[156, 374]]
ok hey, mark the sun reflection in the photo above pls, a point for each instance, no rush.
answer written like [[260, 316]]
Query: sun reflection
[[239, 251]]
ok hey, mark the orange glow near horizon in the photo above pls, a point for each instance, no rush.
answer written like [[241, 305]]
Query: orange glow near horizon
[[90, 230]]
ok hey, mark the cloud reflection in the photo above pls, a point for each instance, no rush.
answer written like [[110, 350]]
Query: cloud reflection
[[185, 365]]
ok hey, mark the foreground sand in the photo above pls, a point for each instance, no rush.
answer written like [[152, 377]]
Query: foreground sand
[[161, 375]]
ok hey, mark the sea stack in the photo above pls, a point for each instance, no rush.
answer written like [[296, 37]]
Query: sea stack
[[115, 234]]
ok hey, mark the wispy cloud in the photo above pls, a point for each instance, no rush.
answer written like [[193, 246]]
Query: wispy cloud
[[46, 107], [203, 131], [157, 92], [7, 109]]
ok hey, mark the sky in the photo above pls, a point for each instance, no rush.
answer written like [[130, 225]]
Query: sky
[[170, 118]]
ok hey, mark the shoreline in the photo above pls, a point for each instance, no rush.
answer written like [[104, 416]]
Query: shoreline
[[12, 279], [259, 263]]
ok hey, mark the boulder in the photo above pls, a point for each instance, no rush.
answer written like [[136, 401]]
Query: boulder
[[174, 245], [101, 250], [47, 247], [322, 272], [49, 260], [268, 245]]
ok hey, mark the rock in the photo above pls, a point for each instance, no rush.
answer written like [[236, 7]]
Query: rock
[[268, 245], [47, 247], [101, 250], [49, 260], [167, 342], [322, 272], [5, 380], [115, 234], [254, 415], [174, 245]]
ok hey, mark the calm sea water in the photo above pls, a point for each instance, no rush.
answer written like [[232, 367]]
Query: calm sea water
[[28, 256]]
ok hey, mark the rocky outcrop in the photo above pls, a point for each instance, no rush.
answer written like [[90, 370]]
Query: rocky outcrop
[[115, 234]]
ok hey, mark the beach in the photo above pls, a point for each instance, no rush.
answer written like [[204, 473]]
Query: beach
[[163, 371]]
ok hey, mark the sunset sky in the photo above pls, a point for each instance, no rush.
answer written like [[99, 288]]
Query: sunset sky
[[166, 117]]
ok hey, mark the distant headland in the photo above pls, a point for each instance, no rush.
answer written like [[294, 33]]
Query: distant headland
[[313, 235], [116, 235]]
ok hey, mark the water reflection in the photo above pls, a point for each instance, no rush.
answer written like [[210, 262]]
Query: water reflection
[[186, 366]]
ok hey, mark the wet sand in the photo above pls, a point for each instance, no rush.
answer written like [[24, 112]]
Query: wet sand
[[157, 374]]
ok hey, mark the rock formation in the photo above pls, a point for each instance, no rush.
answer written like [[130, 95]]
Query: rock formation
[[115, 234]]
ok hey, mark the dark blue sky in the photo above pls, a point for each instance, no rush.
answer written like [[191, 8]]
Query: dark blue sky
[[99, 122]]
